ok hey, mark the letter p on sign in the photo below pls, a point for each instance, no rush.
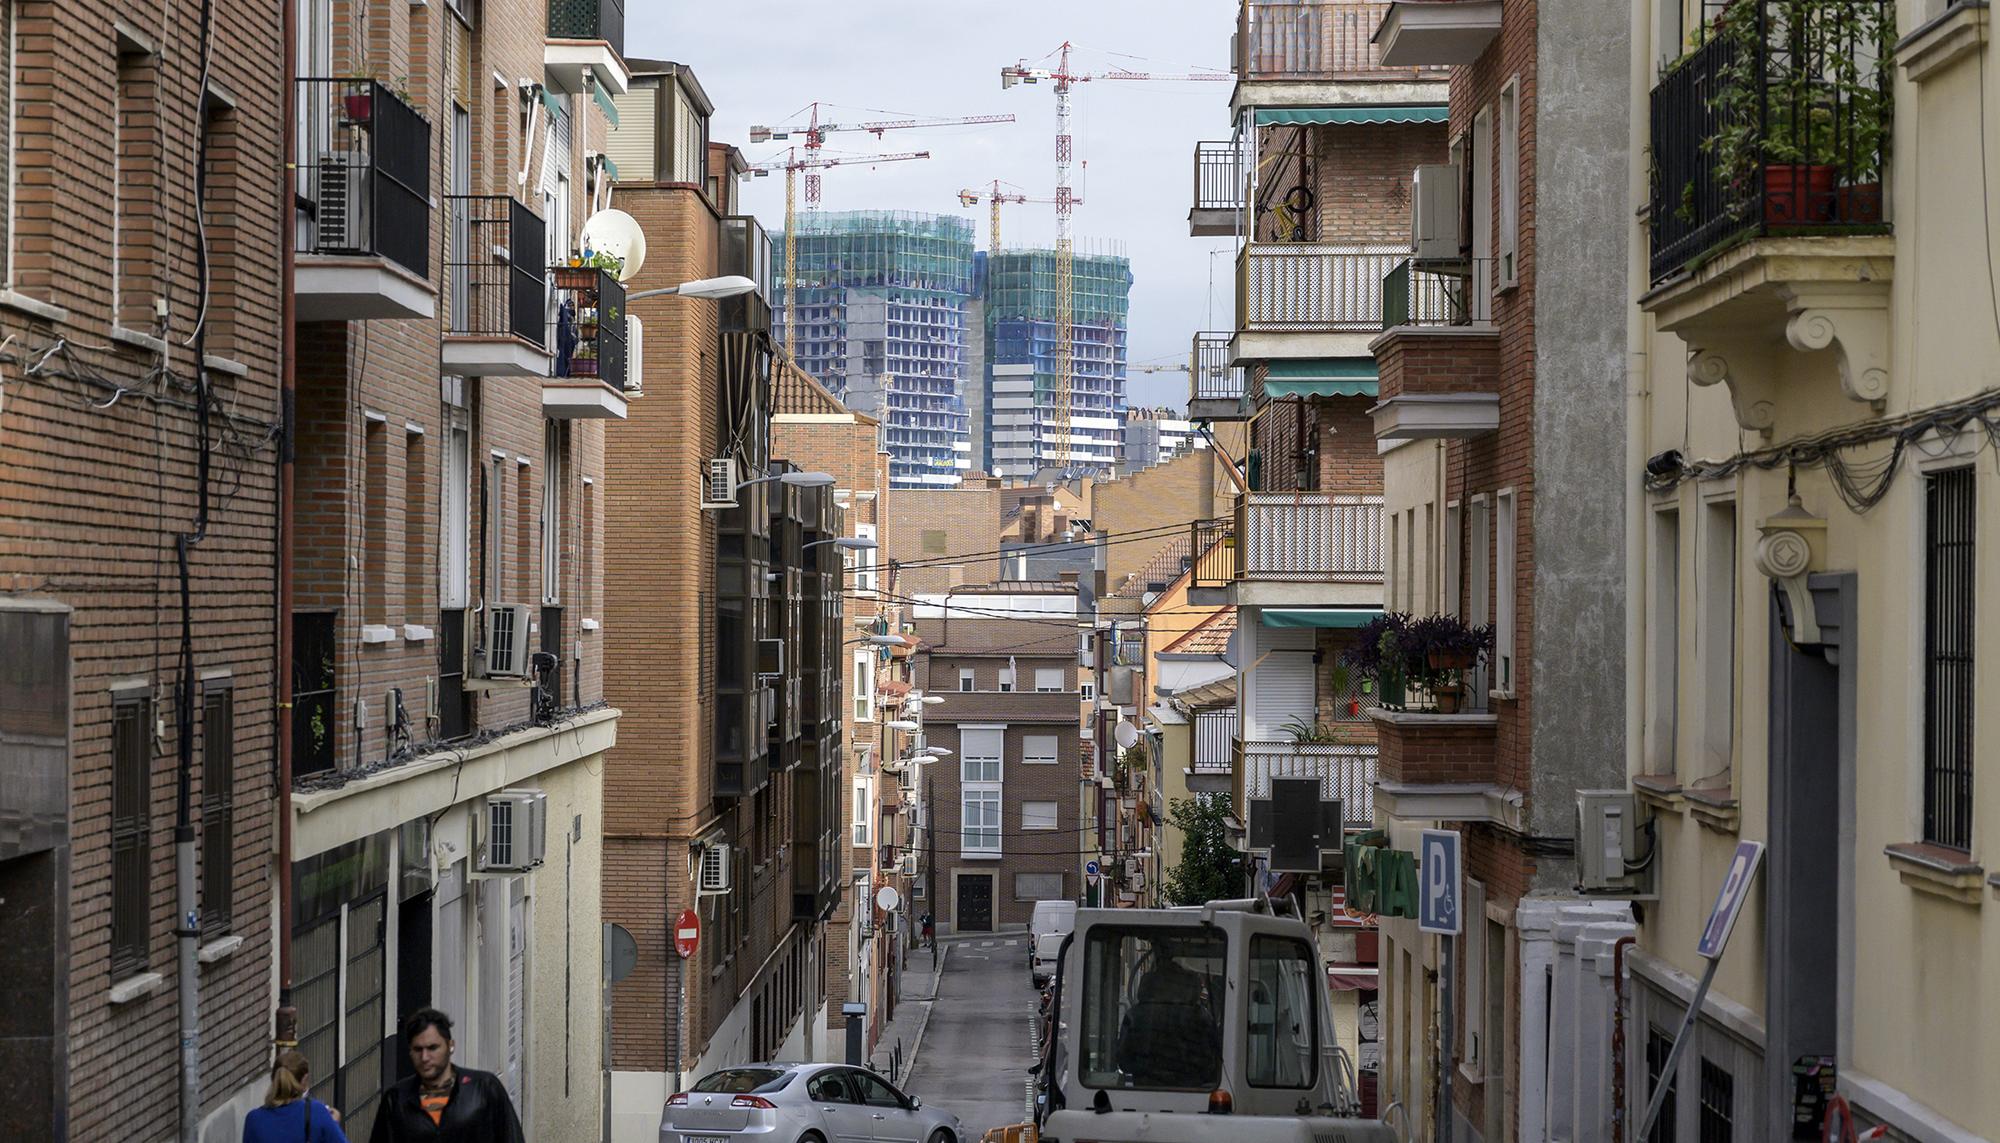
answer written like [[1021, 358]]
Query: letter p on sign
[[1441, 876]]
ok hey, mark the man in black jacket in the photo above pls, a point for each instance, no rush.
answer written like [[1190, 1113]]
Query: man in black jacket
[[442, 1102]]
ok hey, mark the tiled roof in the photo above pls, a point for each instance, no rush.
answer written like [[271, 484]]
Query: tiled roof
[[1006, 706], [1210, 637], [1164, 568], [1025, 638]]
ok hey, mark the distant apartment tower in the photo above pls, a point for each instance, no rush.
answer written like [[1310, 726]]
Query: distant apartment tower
[[1022, 436], [1158, 435], [881, 320]]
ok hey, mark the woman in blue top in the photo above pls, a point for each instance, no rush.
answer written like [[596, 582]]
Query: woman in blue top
[[289, 1115]]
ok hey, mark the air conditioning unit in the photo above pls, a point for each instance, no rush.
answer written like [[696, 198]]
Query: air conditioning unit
[[507, 653], [1610, 858], [341, 212], [716, 870], [1436, 217], [770, 656], [907, 865], [516, 824], [719, 490]]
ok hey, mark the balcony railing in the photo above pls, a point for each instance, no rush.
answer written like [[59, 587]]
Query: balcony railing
[[1215, 741], [1214, 378], [1308, 536], [1213, 543], [1290, 40], [1312, 287], [1345, 771], [1218, 176], [746, 251], [494, 254], [588, 20], [1778, 123], [364, 173], [588, 337], [1433, 296]]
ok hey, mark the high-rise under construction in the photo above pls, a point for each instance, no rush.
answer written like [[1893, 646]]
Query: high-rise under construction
[[882, 299], [1023, 431]]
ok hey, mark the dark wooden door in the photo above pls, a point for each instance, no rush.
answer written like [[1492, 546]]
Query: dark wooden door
[[975, 903]]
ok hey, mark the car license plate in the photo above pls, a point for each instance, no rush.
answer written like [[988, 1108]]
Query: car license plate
[[704, 1139]]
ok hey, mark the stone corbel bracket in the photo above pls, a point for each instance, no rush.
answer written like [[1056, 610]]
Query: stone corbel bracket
[[1791, 546], [1747, 369], [1852, 319]]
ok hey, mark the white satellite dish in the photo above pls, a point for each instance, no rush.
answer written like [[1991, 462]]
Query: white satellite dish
[[617, 233], [1126, 734], [886, 899]]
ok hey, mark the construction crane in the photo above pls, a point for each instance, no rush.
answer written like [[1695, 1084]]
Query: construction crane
[[791, 163], [814, 133], [1063, 79], [996, 197]]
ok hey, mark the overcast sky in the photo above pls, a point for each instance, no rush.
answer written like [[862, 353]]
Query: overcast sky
[[762, 61]]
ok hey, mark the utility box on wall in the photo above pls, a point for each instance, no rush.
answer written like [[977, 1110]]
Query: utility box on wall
[[1610, 858]]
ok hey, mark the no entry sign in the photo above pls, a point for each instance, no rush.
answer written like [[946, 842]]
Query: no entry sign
[[687, 933]]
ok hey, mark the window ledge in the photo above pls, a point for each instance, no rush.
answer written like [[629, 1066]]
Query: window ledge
[[47, 311], [1934, 869], [226, 365], [963, 856], [1660, 791], [136, 987], [378, 633], [1468, 1073], [1956, 34], [221, 949], [1714, 809], [416, 633], [137, 340]]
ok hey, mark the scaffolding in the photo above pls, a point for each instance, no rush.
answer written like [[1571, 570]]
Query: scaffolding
[[882, 301], [1022, 347]]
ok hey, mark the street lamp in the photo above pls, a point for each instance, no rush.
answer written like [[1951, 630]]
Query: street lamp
[[878, 641], [795, 479], [904, 724], [727, 286], [848, 544]]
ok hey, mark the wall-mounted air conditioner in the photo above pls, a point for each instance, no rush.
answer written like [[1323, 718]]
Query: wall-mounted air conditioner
[[716, 870], [507, 654], [515, 831], [719, 490], [1436, 217], [1611, 857]]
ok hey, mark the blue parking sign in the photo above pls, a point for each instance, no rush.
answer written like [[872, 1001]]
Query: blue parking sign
[[1729, 901], [1440, 882]]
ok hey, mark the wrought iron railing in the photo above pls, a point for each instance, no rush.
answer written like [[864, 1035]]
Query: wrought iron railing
[[1214, 378], [1213, 543], [1312, 286], [1289, 39], [1215, 740], [1427, 295], [588, 20], [1308, 535], [588, 333], [1779, 121], [495, 259], [1345, 771], [1218, 176], [364, 173]]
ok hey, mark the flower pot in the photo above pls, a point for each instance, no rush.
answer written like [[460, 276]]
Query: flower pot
[[1391, 696], [1452, 660], [1860, 203], [1797, 195], [1448, 698], [360, 106], [576, 277]]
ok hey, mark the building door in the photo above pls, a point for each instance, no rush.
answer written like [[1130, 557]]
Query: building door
[[413, 970], [975, 903]]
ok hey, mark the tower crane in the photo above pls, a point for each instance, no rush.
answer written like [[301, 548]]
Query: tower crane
[[995, 198], [1063, 79], [813, 133], [791, 163]]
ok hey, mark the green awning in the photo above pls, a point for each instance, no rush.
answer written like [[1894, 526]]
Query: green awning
[[597, 92], [552, 103], [1335, 617], [1320, 116], [610, 168], [1321, 377]]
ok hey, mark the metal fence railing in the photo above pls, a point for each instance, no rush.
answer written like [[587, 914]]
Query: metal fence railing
[[1213, 377], [1213, 544], [1312, 286], [1215, 740], [1295, 40], [364, 173], [1414, 294], [1345, 771], [495, 266], [1308, 535], [588, 20], [588, 335], [1218, 176]]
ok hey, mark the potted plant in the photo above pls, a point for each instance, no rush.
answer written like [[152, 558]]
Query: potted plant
[[1448, 647], [358, 102], [1380, 656]]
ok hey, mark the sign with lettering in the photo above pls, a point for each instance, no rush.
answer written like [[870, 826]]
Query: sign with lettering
[[1443, 888]]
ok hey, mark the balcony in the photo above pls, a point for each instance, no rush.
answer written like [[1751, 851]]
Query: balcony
[[1218, 191], [1438, 359], [746, 251], [363, 210], [1437, 33], [498, 317], [587, 377], [1769, 222], [1215, 387], [1297, 549], [1212, 769], [586, 41], [1442, 766], [1293, 54], [1309, 299], [1346, 770]]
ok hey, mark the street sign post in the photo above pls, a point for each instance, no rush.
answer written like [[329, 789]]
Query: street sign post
[[1714, 939], [1440, 893]]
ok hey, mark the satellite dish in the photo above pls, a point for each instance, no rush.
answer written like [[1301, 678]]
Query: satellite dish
[[616, 233], [1126, 734], [886, 899]]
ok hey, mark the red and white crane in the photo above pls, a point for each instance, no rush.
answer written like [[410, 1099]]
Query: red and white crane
[[996, 197]]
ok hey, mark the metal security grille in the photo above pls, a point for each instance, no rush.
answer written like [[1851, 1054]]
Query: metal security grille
[[1215, 379], [218, 796], [1218, 176], [1215, 740], [313, 723], [1948, 631], [1290, 39], [1658, 1046], [131, 853], [1308, 535], [1718, 1104]]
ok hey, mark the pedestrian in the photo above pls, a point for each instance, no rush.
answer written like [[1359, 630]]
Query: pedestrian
[[289, 1113], [442, 1101], [930, 931]]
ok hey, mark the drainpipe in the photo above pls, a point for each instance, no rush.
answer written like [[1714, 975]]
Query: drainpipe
[[285, 1021], [1636, 391], [1618, 947]]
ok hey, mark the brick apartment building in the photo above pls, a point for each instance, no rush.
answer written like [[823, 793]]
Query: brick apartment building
[[723, 631], [108, 462], [1005, 804]]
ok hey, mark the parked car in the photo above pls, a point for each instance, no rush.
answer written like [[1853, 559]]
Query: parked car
[[802, 1103], [1042, 958], [1053, 917]]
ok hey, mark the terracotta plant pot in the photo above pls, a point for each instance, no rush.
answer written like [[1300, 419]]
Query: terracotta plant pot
[[1798, 195], [576, 277], [360, 106], [1860, 204], [1452, 660], [1448, 698]]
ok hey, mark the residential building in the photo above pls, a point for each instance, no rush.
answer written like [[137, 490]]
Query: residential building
[[1002, 808], [1155, 435], [1027, 434], [724, 632], [947, 537], [1810, 363], [141, 424], [881, 320], [1142, 512]]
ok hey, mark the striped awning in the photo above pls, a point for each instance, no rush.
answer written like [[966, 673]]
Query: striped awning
[[1334, 617], [603, 99], [1321, 377], [1324, 116]]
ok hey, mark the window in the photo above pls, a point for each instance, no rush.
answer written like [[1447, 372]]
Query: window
[[1087, 689], [1718, 1104], [1453, 559], [1503, 593], [864, 561], [864, 685], [493, 586], [1949, 574], [218, 800], [1483, 209], [1473, 965], [555, 481], [375, 520], [1048, 679], [131, 830], [314, 724], [416, 525], [1479, 578], [980, 830], [454, 528], [1038, 887], [1510, 180], [862, 804], [1007, 677], [981, 754], [1283, 1045], [1152, 1008], [1659, 1045], [1663, 653], [1717, 635], [964, 679], [980, 768], [135, 189], [1038, 815], [1394, 588], [1038, 750]]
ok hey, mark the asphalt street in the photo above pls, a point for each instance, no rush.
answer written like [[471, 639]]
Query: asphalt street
[[979, 1043]]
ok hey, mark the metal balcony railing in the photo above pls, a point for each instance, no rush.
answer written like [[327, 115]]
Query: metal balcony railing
[[1215, 741], [364, 173], [1213, 377], [1312, 287], [1345, 771], [1294, 40], [746, 251], [588, 335], [588, 20], [1780, 121], [493, 262], [1213, 543], [1308, 535], [1422, 295], [1218, 176]]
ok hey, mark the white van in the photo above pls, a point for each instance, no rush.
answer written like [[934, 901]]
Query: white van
[[1053, 917]]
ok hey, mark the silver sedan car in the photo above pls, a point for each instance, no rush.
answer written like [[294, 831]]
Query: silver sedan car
[[802, 1103]]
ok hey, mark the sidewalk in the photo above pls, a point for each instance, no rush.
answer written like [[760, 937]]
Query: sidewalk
[[897, 1044]]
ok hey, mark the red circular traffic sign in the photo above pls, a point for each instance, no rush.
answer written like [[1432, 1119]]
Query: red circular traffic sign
[[687, 933]]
